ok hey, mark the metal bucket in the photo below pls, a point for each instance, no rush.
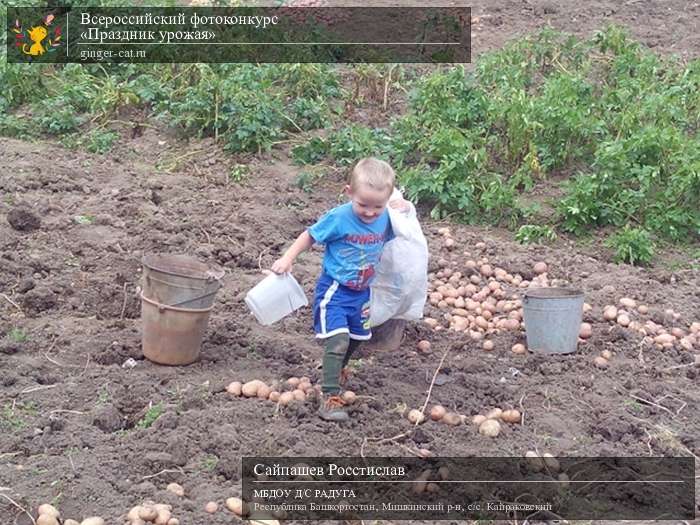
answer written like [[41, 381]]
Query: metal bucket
[[181, 281], [552, 319], [171, 335]]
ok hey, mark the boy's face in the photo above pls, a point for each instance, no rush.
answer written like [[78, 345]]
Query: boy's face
[[367, 203]]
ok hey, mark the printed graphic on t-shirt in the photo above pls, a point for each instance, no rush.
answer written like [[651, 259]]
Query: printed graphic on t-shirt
[[353, 248]]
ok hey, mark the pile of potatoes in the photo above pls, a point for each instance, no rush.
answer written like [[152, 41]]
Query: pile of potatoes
[[296, 389], [478, 299], [489, 425], [628, 314], [151, 512], [49, 515], [546, 463]]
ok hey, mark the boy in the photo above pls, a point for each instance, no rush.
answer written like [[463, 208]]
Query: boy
[[354, 234]]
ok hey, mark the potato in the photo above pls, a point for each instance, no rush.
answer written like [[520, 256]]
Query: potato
[[263, 392], [540, 267], [444, 473], [663, 339], [511, 416], [695, 328], [628, 303], [237, 506], [490, 428], [173, 521], [478, 419], [678, 332], [432, 488], [234, 388], [686, 343], [46, 519], [349, 397], [587, 307], [610, 313], [563, 479], [494, 413], [551, 462], [623, 319], [49, 510], [147, 513], [424, 346], [299, 395], [293, 382], [73, 522], [486, 270], [600, 362], [176, 489], [452, 419], [518, 348], [163, 518], [250, 389], [643, 309], [606, 354], [274, 396], [415, 416], [449, 243], [425, 453], [430, 322], [437, 412], [211, 507], [585, 331], [133, 514], [536, 462], [94, 520], [286, 398]]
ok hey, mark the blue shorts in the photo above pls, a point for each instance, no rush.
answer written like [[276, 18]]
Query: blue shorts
[[340, 310]]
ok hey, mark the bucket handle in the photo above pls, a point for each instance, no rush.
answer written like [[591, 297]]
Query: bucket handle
[[195, 298]]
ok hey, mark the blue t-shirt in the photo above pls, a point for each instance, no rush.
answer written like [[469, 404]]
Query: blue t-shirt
[[353, 248]]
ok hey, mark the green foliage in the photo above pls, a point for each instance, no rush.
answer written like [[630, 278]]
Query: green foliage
[[350, 144], [535, 234], [153, 413], [307, 179], [17, 335], [238, 173], [632, 245], [312, 151], [101, 141]]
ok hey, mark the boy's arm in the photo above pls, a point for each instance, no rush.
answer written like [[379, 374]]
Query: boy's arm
[[284, 263]]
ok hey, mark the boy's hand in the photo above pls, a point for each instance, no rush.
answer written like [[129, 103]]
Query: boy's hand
[[282, 265]]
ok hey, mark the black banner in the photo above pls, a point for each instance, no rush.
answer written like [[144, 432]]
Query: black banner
[[534, 488], [245, 34]]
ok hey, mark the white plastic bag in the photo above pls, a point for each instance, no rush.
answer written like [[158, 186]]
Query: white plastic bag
[[401, 284]]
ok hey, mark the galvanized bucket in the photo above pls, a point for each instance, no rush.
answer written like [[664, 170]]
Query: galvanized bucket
[[180, 281], [171, 335], [552, 319]]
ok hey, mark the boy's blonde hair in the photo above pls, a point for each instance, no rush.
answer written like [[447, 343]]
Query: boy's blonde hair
[[373, 173]]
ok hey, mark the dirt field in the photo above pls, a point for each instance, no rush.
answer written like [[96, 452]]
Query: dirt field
[[70, 320]]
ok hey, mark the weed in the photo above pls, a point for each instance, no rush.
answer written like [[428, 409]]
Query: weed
[[632, 245], [18, 335], [209, 462], [531, 233], [12, 415], [103, 397], [153, 413], [84, 219], [307, 179], [238, 173]]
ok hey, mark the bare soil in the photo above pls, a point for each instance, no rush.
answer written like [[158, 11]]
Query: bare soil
[[73, 230]]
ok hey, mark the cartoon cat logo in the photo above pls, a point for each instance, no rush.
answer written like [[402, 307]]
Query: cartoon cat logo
[[37, 35]]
